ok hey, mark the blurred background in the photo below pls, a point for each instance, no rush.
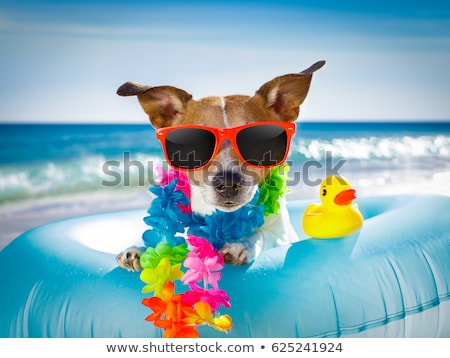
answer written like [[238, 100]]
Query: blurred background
[[380, 104]]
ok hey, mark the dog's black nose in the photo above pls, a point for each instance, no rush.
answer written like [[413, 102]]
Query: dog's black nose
[[228, 183]]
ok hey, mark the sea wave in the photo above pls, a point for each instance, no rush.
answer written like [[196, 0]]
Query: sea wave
[[380, 160], [385, 148], [89, 173]]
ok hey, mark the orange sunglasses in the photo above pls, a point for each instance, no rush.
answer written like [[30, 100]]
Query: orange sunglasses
[[192, 147]]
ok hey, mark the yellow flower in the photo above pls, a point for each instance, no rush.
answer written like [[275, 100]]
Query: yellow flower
[[222, 323], [203, 315], [156, 278]]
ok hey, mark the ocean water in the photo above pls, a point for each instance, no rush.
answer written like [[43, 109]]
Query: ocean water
[[47, 161]]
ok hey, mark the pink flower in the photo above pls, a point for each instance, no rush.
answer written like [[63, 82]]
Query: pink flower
[[214, 297], [203, 248], [202, 270], [203, 262]]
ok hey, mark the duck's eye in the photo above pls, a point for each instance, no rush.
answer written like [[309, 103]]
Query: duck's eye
[[324, 192]]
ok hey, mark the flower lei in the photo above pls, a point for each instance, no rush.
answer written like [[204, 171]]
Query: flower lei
[[194, 260]]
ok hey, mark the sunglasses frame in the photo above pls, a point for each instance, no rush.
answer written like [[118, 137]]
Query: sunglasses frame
[[230, 134]]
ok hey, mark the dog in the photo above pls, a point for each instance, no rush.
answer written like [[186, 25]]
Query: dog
[[229, 183]]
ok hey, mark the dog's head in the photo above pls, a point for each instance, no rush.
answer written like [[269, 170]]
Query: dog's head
[[226, 183]]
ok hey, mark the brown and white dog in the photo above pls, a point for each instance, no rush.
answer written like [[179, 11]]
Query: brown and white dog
[[276, 100]]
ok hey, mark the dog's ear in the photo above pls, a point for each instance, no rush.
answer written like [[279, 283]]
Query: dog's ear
[[284, 95], [162, 104]]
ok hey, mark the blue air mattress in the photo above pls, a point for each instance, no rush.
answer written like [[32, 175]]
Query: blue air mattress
[[392, 279]]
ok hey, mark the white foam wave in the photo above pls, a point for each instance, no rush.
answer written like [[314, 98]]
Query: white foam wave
[[76, 175], [374, 147]]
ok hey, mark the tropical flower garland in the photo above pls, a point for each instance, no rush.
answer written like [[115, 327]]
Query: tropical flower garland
[[194, 260]]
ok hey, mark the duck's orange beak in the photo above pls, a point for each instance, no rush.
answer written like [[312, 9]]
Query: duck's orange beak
[[345, 197]]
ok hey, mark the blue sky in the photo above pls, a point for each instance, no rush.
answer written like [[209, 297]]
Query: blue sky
[[62, 61]]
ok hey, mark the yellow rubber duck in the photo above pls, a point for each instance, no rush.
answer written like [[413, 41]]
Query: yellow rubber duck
[[337, 216]]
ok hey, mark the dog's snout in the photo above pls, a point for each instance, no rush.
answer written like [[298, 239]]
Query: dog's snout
[[228, 184]]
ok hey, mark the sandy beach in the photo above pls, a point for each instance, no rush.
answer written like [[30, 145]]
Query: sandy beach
[[17, 218]]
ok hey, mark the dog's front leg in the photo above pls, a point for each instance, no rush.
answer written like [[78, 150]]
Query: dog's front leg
[[243, 251], [130, 259]]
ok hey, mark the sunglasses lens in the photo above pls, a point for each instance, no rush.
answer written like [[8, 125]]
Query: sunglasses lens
[[263, 145], [189, 148]]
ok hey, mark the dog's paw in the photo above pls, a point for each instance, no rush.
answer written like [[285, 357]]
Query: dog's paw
[[237, 253], [130, 259]]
